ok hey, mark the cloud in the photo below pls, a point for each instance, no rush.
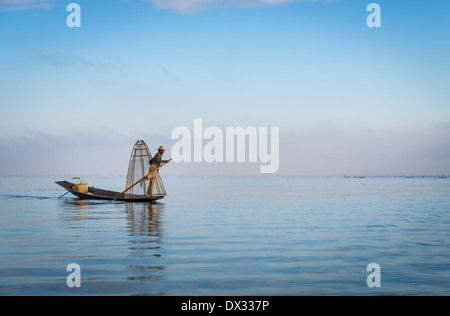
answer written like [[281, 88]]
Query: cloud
[[356, 151], [100, 153], [191, 6], [335, 152], [20, 5]]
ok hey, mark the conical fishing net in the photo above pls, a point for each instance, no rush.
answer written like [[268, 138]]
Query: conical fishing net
[[139, 168]]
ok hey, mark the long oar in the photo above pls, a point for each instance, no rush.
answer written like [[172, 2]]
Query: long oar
[[63, 194], [115, 198]]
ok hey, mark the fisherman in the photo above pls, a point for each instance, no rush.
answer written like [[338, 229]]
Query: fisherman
[[155, 162]]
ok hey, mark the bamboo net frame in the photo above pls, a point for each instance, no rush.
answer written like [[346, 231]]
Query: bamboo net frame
[[138, 168]]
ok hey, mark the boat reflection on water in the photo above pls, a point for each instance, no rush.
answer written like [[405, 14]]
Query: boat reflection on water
[[82, 204], [129, 236], [145, 227]]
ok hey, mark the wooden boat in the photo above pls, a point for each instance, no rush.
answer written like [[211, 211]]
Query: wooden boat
[[99, 194], [138, 167]]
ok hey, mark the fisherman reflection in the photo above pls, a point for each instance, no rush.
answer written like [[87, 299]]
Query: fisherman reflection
[[145, 230]]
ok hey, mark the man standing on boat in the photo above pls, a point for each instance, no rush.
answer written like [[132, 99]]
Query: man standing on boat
[[155, 162]]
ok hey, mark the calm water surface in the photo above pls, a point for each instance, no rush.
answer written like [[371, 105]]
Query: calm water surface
[[229, 236]]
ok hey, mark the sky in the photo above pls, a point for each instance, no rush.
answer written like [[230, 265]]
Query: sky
[[348, 99]]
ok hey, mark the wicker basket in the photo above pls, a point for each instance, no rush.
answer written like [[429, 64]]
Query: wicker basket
[[81, 187]]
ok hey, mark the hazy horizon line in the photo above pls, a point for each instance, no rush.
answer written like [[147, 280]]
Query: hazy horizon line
[[241, 176]]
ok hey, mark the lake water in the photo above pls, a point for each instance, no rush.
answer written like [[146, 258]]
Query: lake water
[[229, 236]]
